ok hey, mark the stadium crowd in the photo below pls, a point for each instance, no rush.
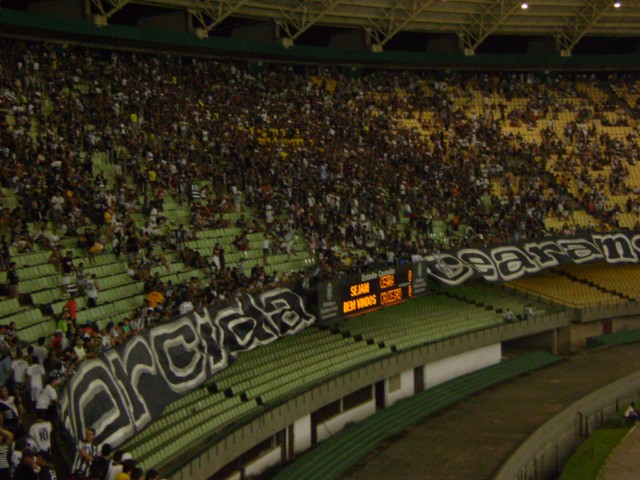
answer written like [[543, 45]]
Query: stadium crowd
[[309, 152]]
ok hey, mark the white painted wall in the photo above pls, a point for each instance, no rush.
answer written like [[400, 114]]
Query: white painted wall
[[265, 461], [302, 434], [406, 388], [440, 371], [337, 423]]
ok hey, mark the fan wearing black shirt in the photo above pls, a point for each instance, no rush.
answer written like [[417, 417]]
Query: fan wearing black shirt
[[25, 469], [43, 460], [10, 410], [67, 267], [100, 465], [13, 281]]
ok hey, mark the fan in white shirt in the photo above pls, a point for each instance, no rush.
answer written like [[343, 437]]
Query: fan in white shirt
[[19, 368], [48, 396], [41, 431], [35, 372]]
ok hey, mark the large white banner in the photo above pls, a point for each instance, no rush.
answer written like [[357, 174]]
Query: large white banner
[[127, 387], [509, 262]]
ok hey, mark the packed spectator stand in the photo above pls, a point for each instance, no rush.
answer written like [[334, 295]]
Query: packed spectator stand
[[136, 187]]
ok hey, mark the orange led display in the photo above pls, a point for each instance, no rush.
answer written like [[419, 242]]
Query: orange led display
[[387, 281], [359, 303], [390, 296], [359, 289]]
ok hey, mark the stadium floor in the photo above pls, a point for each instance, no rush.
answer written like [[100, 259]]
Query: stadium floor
[[472, 439]]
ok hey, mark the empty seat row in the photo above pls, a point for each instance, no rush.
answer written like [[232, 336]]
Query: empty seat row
[[114, 310], [9, 307], [24, 318]]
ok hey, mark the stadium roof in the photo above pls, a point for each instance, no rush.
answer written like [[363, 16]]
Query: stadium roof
[[568, 21]]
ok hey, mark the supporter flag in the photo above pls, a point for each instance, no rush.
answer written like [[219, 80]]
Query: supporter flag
[[117, 392]]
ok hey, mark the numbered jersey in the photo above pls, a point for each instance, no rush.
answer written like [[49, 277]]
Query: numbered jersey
[[41, 434]]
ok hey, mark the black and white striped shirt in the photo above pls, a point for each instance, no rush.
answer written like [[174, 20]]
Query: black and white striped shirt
[[80, 464]]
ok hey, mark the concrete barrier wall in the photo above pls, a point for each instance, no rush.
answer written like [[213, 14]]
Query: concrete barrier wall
[[337, 423], [544, 453], [581, 331], [449, 368], [265, 461], [604, 312], [405, 387], [302, 434]]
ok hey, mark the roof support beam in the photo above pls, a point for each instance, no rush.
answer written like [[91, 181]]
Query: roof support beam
[[486, 22], [395, 20], [108, 8], [306, 14], [211, 13], [580, 24]]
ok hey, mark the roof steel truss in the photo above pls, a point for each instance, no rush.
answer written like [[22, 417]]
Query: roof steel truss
[[108, 8], [306, 14], [584, 20], [395, 19], [486, 22], [210, 14], [473, 20]]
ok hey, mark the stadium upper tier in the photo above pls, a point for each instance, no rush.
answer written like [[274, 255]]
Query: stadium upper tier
[[121, 149], [384, 162]]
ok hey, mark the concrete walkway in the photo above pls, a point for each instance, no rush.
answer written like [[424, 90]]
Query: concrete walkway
[[624, 461], [472, 439]]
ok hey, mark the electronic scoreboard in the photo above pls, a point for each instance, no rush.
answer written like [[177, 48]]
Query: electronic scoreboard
[[376, 290], [360, 293]]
